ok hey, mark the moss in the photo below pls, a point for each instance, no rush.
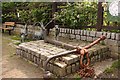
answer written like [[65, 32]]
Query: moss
[[77, 77], [102, 42], [16, 37], [115, 65], [17, 43], [109, 70]]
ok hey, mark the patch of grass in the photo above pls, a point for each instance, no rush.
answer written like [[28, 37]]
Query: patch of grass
[[77, 77], [102, 42], [17, 43], [16, 37], [28, 40], [109, 70], [115, 65]]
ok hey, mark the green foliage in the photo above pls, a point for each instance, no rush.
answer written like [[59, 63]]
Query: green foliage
[[78, 14], [17, 43], [29, 11], [115, 65], [77, 76], [108, 70], [16, 37]]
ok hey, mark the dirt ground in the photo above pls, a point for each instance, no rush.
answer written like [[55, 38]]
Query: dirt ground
[[13, 66]]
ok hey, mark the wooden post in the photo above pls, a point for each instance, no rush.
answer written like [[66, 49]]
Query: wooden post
[[54, 9], [99, 17], [52, 24]]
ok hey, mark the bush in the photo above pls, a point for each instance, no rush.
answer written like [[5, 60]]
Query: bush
[[78, 14]]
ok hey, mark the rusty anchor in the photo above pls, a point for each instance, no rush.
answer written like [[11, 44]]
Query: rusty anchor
[[85, 70]]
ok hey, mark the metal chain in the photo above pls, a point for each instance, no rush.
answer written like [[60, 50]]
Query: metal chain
[[85, 70]]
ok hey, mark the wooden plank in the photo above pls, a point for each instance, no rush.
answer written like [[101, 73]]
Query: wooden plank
[[9, 24]]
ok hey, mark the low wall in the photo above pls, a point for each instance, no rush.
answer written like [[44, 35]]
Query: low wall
[[112, 39]]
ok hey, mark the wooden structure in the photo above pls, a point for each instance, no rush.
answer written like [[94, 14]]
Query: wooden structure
[[9, 26]]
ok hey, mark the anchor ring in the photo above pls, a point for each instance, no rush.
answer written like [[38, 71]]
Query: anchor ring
[[84, 52]]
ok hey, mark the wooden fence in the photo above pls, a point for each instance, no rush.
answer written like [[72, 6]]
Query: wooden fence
[[98, 25]]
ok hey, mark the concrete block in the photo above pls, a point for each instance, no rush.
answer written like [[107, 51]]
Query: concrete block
[[95, 52], [105, 41], [60, 34], [118, 36], [115, 49], [98, 34], [72, 36], [105, 34], [83, 38], [91, 52], [65, 30], [108, 35], [92, 60], [67, 60], [73, 31], [111, 42], [62, 30], [88, 33], [89, 38], [104, 49], [38, 60], [98, 51], [77, 66], [63, 35], [78, 37], [75, 57], [119, 43], [113, 35], [85, 32], [92, 33], [76, 31], [51, 67], [60, 68], [68, 69], [18, 51], [73, 68], [81, 32], [28, 56], [68, 31], [45, 55], [60, 64]]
